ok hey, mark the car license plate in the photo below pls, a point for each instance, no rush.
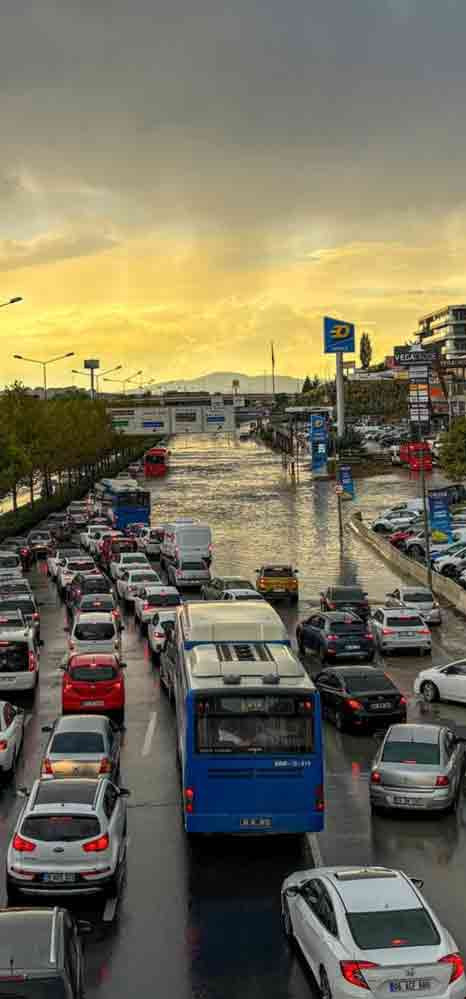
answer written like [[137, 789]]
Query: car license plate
[[353, 648], [399, 799], [93, 704], [259, 823], [59, 878], [411, 985], [381, 706], [7, 679]]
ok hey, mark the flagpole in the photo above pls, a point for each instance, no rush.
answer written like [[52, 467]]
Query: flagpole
[[273, 367]]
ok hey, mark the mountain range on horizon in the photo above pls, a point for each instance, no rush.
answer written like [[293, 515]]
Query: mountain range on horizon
[[221, 381]]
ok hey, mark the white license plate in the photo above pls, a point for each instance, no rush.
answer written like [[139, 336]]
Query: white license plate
[[353, 648], [411, 985], [383, 706], [399, 799], [7, 679], [59, 878], [93, 704], [259, 823]]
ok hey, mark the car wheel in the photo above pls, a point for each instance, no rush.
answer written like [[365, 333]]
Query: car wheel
[[119, 717], [429, 691], [155, 657], [287, 925], [340, 721], [301, 647], [324, 986], [294, 598]]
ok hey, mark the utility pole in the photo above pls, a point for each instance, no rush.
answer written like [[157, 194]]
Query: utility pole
[[340, 388], [273, 367]]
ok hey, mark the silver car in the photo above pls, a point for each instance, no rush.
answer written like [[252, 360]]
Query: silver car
[[188, 572], [95, 633], [416, 598], [395, 630], [418, 767], [70, 839], [82, 746]]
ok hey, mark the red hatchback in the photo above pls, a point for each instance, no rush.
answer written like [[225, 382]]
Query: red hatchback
[[94, 683]]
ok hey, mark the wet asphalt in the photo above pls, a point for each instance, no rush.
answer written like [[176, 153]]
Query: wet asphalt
[[203, 922]]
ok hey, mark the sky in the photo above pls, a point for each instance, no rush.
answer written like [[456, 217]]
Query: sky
[[183, 181]]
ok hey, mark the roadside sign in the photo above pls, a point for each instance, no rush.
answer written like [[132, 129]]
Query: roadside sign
[[338, 336], [339, 489], [345, 475], [411, 355]]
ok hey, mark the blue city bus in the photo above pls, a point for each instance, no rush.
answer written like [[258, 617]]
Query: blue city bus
[[124, 502], [249, 734]]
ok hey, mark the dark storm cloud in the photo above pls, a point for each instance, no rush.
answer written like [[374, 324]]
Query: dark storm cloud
[[335, 115]]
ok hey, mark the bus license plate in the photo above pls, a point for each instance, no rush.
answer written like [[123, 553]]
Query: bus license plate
[[259, 823]]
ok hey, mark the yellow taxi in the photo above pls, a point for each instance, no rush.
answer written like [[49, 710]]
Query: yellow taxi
[[277, 582]]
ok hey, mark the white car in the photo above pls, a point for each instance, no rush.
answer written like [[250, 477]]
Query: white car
[[11, 736], [135, 579], [157, 630], [127, 560], [241, 595], [19, 661], [416, 598], [92, 532], [370, 929], [68, 567], [392, 522], [442, 683], [10, 564], [451, 563], [395, 629], [154, 596], [95, 633], [149, 541], [54, 559]]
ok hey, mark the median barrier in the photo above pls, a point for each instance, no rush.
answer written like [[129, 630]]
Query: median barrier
[[441, 586]]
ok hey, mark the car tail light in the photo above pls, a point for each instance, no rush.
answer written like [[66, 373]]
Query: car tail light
[[105, 766], [3, 745], [332, 638], [95, 845], [331, 605], [403, 699], [424, 631], [319, 799], [442, 781], [23, 845], [32, 662], [388, 631], [457, 965], [352, 971], [35, 616], [71, 646], [146, 605], [189, 799], [159, 634], [369, 636], [353, 704], [24, 551], [376, 777], [47, 768]]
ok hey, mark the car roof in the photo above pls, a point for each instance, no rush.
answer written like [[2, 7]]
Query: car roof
[[361, 890], [93, 659], [88, 617], [27, 939], [415, 733], [75, 791], [160, 589], [342, 616], [81, 723], [363, 671]]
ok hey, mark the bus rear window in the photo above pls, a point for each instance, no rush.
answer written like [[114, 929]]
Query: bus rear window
[[254, 725]]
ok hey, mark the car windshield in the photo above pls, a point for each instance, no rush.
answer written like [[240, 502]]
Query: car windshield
[[411, 752], [18, 603], [276, 570], [368, 682], [77, 742], [163, 600], [80, 566], [418, 597], [405, 622], [96, 585], [346, 627], [93, 674], [99, 631], [141, 577], [402, 928], [60, 828]]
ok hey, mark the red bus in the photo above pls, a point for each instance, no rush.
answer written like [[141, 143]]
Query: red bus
[[416, 455], [156, 462]]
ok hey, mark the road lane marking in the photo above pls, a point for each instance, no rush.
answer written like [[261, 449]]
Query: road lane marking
[[149, 734], [315, 849]]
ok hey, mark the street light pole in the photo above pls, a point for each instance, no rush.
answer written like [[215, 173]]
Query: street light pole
[[43, 364], [11, 301], [107, 371]]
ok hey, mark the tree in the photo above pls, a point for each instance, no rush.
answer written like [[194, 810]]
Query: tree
[[453, 451], [365, 350], [306, 385]]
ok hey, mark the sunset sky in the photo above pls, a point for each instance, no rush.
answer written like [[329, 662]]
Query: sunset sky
[[182, 181]]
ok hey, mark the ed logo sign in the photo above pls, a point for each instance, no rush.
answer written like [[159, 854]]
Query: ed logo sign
[[338, 336]]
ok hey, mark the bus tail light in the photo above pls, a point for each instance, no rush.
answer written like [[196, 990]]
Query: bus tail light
[[319, 798], [189, 800]]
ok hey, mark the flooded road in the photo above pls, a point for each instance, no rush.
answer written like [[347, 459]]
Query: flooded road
[[203, 922]]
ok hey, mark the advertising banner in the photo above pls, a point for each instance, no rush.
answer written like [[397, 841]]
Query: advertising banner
[[440, 518], [345, 476], [318, 436]]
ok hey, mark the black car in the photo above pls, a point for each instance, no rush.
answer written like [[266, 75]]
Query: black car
[[84, 583], [353, 697], [334, 634], [351, 598], [45, 953]]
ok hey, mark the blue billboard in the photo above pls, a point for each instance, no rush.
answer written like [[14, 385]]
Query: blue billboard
[[345, 475], [440, 517], [318, 436], [338, 336]]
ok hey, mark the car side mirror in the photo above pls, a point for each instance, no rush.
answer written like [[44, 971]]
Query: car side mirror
[[418, 882], [48, 728], [23, 792], [60, 669], [293, 891], [83, 926], [123, 665], [124, 792]]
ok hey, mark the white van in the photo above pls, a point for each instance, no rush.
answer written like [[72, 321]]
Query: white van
[[186, 539]]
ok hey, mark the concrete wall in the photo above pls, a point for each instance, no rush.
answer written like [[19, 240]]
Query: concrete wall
[[441, 586]]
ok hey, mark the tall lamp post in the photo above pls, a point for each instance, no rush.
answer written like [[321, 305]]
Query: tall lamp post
[[124, 381], [50, 360], [11, 301], [107, 371]]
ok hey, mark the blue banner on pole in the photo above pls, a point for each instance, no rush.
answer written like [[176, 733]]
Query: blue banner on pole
[[440, 517], [338, 336], [345, 475], [318, 436]]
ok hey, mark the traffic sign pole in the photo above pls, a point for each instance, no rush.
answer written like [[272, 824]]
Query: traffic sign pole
[[340, 385]]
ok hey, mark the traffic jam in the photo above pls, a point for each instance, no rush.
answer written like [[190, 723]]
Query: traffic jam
[[254, 710]]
